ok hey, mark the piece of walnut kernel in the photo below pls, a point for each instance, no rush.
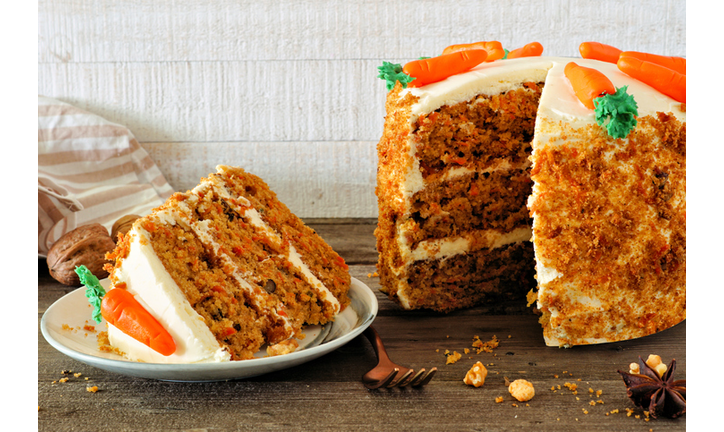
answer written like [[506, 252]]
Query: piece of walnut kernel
[[521, 390], [653, 361], [476, 375], [660, 369]]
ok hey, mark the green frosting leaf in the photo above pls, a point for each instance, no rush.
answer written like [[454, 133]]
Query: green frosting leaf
[[392, 72], [93, 290], [506, 54], [616, 112]]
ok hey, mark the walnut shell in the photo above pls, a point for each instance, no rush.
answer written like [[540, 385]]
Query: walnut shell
[[86, 245], [123, 225]]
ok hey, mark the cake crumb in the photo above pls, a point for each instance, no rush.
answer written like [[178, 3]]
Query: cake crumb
[[91, 389], [485, 346], [499, 399], [452, 358]]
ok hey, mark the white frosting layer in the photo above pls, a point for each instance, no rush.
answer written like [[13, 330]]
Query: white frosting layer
[[153, 287], [447, 247]]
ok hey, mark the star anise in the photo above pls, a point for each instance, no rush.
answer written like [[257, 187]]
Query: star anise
[[662, 396]]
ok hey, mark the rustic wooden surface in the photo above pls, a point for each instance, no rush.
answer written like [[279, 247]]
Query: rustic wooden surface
[[288, 89], [327, 394]]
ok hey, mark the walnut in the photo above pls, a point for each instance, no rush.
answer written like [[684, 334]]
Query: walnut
[[123, 225], [86, 245], [476, 375], [521, 390]]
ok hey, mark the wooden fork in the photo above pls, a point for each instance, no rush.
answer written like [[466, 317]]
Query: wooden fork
[[385, 373]]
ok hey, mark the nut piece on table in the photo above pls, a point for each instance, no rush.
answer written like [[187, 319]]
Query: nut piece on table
[[521, 390], [476, 375], [654, 362], [86, 245], [123, 225]]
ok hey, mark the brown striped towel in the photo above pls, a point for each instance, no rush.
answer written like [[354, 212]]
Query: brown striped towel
[[89, 170]]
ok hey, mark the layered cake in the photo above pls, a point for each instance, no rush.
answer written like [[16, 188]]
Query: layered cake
[[224, 269], [499, 182]]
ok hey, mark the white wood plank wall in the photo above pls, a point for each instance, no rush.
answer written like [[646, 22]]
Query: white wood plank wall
[[287, 88]]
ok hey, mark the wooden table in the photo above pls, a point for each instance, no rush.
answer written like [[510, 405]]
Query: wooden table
[[327, 394]]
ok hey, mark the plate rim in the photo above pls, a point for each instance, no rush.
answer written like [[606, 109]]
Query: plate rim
[[275, 363]]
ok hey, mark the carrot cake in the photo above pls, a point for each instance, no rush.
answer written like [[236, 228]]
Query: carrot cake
[[497, 183], [225, 269]]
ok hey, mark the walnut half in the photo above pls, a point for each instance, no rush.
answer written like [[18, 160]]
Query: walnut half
[[123, 225], [86, 245]]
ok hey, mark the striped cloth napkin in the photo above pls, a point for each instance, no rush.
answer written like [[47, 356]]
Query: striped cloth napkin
[[89, 170]]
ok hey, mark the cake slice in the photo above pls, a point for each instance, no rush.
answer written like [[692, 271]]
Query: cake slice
[[226, 268]]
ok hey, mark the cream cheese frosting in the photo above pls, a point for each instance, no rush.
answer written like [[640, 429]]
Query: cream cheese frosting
[[149, 282]]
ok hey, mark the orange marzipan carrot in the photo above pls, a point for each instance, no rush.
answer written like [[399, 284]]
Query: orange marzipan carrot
[[663, 79], [121, 309], [486, 45], [677, 64], [599, 51], [494, 48], [430, 70], [588, 83], [533, 49], [495, 54]]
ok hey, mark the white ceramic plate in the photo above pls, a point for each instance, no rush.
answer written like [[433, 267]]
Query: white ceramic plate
[[63, 322]]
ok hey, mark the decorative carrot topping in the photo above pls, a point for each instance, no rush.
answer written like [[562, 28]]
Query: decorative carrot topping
[[495, 54], [121, 309], [677, 64], [599, 51], [615, 109], [533, 49], [434, 69], [392, 73], [616, 113], [588, 83], [663, 79], [475, 45], [494, 48]]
